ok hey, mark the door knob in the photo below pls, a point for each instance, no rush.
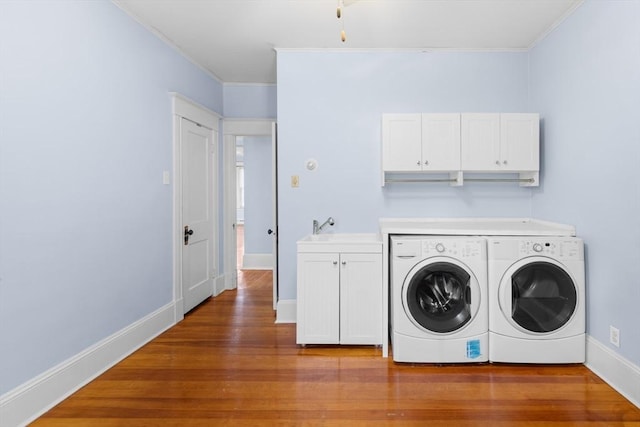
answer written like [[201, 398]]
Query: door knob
[[187, 233]]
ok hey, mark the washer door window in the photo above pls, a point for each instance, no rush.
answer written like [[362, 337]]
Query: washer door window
[[438, 297], [543, 297]]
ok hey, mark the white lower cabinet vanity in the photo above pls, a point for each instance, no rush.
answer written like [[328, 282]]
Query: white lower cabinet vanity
[[339, 288]]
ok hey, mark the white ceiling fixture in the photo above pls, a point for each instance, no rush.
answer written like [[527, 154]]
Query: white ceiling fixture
[[235, 40]]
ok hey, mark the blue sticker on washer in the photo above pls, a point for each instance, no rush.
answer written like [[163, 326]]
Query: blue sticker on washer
[[473, 349]]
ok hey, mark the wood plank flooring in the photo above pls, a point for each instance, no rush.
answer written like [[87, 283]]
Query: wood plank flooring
[[228, 364]]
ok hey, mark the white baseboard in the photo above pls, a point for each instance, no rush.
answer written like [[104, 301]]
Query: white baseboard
[[230, 281], [618, 372], [257, 262], [286, 311], [28, 401], [219, 285], [178, 308]]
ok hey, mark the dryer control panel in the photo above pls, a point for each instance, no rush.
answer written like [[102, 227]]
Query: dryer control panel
[[555, 248]]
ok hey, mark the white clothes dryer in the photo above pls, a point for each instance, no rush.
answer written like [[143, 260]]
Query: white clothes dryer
[[438, 303], [536, 299]]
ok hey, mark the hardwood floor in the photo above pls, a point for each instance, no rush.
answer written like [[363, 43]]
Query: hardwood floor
[[227, 363]]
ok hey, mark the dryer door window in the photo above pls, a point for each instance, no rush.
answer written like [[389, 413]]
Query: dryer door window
[[439, 297], [543, 297]]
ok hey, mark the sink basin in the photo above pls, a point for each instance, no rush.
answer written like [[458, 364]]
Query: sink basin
[[341, 242], [342, 237]]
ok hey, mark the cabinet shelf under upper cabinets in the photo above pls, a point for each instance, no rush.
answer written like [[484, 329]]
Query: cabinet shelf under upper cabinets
[[458, 143]]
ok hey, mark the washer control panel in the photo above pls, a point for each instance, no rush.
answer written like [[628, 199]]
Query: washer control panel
[[456, 248]]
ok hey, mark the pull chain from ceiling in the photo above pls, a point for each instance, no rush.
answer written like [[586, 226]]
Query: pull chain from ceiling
[[343, 35]]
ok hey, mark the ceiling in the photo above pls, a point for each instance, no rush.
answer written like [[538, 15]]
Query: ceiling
[[235, 40]]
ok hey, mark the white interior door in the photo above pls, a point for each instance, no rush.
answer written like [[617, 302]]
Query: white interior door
[[230, 224], [274, 201], [197, 151]]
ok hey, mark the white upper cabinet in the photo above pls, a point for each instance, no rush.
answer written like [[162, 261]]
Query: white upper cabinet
[[440, 142], [500, 142], [520, 141], [480, 141], [421, 142], [401, 142], [457, 143]]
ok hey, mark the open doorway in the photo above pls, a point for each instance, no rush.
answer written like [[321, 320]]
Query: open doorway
[[250, 225], [254, 201]]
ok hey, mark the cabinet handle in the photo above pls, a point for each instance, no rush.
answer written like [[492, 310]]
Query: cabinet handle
[[344, 262], [426, 162], [335, 262], [504, 162], [418, 163], [498, 162]]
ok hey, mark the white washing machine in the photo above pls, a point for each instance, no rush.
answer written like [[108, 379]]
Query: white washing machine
[[438, 303], [536, 299]]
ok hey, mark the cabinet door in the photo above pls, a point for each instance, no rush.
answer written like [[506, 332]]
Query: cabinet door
[[520, 142], [361, 299], [480, 142], [440, 142], [401, 142], [318, 299]]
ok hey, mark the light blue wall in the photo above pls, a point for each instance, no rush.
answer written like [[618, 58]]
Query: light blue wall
[[85, 230], [250, 101], [329, 109], [585, 82]]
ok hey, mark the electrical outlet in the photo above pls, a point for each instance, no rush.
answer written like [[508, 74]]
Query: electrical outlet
[[295, 181], [614, 336]]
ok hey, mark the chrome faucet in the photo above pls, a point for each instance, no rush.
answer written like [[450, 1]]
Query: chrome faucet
[[318, 228]]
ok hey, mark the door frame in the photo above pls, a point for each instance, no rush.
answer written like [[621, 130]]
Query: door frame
[[184, 108], [232, 129]]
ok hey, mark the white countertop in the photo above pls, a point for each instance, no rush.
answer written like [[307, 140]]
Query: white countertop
[[475, 226]]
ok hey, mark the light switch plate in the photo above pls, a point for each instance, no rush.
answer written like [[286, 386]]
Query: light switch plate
[[295, 181]]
